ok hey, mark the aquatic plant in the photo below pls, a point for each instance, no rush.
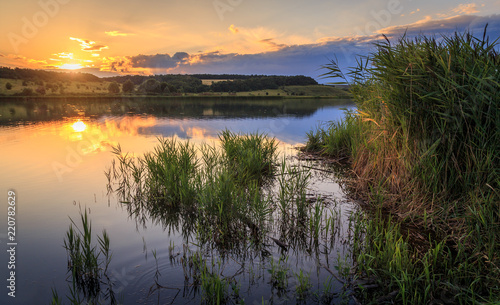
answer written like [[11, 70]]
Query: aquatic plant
[[215, 192], [88, 265], [303, 285], [86, 262], [279, 272], [424, 146], [250, 157]]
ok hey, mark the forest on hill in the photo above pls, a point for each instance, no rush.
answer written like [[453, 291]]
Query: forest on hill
[[156, 84]]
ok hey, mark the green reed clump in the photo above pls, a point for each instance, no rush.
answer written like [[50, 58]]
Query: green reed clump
[[279, 272], [336, 138], [250, 157], [444, 273], [427, 149], [303, 285], [215, 192], [214, 288], [171, 170], [88, 263]]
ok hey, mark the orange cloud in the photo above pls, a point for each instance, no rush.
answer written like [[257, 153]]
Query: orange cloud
[[117, 33], [12, 60], [466, 9], [64, 55], [272, 44], [89, 45], [233, 29]]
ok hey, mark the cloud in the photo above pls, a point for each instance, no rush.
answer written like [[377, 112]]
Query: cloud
[[12, 60], [117, 33], [233, 29], [448, 25], [466, 9], [289, 60], [144, 64], [305, 59], [158, 60], [89, 45], [274, 45], [64, 55], [267, 52]]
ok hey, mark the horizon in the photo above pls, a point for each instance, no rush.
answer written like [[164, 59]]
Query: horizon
[[220, 36]]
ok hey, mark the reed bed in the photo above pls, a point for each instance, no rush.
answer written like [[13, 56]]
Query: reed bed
[[424, 149], [236, 201], [227, 196]]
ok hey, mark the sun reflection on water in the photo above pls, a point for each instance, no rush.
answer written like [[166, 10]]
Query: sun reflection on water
[[79, 126]]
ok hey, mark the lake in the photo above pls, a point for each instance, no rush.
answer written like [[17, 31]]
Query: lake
[[54, 154]]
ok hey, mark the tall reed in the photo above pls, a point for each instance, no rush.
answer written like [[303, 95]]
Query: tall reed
[[426, 148]]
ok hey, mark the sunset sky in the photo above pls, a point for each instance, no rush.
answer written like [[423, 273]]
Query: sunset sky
[[219, 36]]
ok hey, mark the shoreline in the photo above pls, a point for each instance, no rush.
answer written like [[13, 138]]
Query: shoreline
[[166, 97]]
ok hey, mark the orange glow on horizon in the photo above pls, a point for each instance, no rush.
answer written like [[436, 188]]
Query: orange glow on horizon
[[70, 66]]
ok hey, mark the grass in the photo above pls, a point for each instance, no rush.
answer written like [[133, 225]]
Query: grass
[[214, 288], [241, 201], [303, 285], [315, 90], [336, 138], [249, 157], [424, 148], [279, 273], [87, 264], [216, 192]]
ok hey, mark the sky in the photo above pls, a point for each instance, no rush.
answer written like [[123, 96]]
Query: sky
[[278, 37]]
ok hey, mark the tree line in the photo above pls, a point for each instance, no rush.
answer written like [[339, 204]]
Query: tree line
[[46, 76], [193, 83], [157, 84]]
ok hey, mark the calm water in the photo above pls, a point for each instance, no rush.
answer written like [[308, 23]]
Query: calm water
[[53, 154]]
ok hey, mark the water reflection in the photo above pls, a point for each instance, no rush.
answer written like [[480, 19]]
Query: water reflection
[[53, 161], [19, 111]]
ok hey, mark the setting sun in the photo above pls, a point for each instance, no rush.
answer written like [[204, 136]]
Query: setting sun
[[79, 126], [70, 66]]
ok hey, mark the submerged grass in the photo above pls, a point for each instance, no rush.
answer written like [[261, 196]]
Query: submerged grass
[[425, 151]]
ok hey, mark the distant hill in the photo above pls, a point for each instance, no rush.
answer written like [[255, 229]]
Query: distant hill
[[27, 81], [46, 76]]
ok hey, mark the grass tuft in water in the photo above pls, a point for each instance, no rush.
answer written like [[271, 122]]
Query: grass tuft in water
[[249, 157], [87, 264], [216, 190]]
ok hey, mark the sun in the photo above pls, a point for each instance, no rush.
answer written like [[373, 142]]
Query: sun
[[79, 126], [70, 66]]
